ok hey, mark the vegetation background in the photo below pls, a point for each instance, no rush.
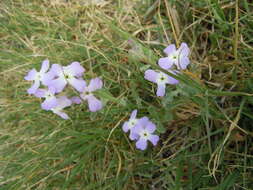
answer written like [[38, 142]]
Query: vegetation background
[[205, 122]]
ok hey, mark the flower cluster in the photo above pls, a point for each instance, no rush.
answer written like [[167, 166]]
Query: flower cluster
[[141, 130], [55, 80], [176, 60]]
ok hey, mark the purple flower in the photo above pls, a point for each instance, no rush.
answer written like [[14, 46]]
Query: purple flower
[[178, 57], [130, 124], [39, 77], [62, 102], [145, 130], [70, 74], [49, 95], [161, 79], [86, 94]]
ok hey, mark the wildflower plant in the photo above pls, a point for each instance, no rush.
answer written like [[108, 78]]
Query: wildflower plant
[[141, 130], [55, 80], [176, 60]]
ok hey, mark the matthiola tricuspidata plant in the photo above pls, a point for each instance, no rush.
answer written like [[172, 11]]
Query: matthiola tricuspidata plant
[[55, 80], [176, 60], [141, 130]]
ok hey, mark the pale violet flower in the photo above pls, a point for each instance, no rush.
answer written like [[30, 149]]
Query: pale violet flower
[[49, 95], [178, 57], [145, 130], [161, 79], [39, 77], [62, 102], [87, 94], [130, 124], [70, 74]]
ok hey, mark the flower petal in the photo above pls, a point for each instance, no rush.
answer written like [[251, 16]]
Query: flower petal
[[40, 93], [133, 114], [161, 90], [78, 84], [59, 84], [172, 80], [47, 78], [153, 139], [34, 87], [141, 144], [63, 102], [138, 128], [56, 69], [125, 127], [76, 100], [165, 63], [49, 103], [151, 75], [52, 90], [150, 127], [133, 136], [75, 69], [44, 66], [95, 84], [94, 104], [184, 49], [143, 121], [61, 114], [170, 49], [184, 61], [31, 75]]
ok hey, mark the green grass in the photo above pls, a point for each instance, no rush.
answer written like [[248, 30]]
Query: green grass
[[204, 123]]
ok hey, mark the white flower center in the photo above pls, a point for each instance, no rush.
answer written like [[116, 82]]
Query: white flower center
[[132, 123], [144, 134], [38, 76], [68, 75], [85, 94], [174, 56], [162, 78], [49, 95]]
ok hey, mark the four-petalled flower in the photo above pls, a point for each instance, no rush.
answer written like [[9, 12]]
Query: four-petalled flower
[[39, 77], [178, 57], [87, 94], [161, 79], [145, 129], [49, 95], [70, 74], [141, 130], [130, 124]]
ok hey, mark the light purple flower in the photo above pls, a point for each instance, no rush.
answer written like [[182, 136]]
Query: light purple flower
[[49, 95], [87, 94], [62, 102], [145, 130], [130, 124], [161, 79], [70, 74], [39, 77], [178, 57]]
